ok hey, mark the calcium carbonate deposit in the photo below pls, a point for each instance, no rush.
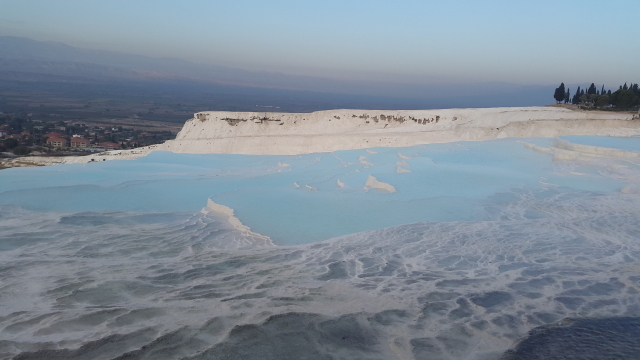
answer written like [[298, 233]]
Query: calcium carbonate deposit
[[267, 133], [461, 250]]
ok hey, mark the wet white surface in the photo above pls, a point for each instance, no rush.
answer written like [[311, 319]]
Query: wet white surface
[[481, 243]]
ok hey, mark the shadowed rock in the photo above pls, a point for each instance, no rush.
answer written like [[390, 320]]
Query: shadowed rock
[[585, 339], [337, 270], [298, 336], [490, 299]]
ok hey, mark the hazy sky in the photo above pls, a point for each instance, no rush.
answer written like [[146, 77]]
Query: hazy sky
[[524, 42]]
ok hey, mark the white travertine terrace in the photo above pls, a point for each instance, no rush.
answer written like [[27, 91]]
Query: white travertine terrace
[[264, 133], [324, 131]]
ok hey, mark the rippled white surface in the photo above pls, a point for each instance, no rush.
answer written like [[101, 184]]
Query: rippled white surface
[[480, 243], [628, 143]]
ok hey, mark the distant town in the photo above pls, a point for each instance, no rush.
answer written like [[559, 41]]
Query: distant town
[[21, 136]]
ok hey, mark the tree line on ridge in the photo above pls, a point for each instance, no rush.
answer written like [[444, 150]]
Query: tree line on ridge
[[626, 97]]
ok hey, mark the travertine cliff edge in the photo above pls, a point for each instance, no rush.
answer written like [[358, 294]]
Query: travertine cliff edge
[[263, 133], [290, 133]]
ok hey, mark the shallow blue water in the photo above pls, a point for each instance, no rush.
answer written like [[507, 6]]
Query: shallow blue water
[[447, 182]]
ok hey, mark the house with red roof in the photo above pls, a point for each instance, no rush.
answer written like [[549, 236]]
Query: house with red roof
[[54, 135], [77, 142], [57, 142], [109, 145]]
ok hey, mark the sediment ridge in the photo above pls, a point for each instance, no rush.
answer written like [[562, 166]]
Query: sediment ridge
[[322, 131], [265, 133]]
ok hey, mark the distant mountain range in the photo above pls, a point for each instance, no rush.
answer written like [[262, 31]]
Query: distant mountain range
[[23, 59]]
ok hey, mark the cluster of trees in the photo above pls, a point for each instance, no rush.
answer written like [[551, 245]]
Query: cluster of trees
[[14, 146], [626, 97]]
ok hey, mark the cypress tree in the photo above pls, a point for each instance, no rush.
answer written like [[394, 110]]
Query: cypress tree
[[576, 97], [609, 93], [567, 96], [592, 89], [625, 87], [559, 93], [602, 91]]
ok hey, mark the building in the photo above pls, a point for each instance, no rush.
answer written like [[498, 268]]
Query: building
[[54, 135], [77, 142], [109, 145], [57, 142]]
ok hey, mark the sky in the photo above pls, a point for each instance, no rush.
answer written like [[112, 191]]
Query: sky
[[413, 41]]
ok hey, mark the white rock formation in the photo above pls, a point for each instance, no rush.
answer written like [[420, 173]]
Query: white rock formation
[[54, 160], [322, 131], [228, 213], [373, 183], [326, 131]]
